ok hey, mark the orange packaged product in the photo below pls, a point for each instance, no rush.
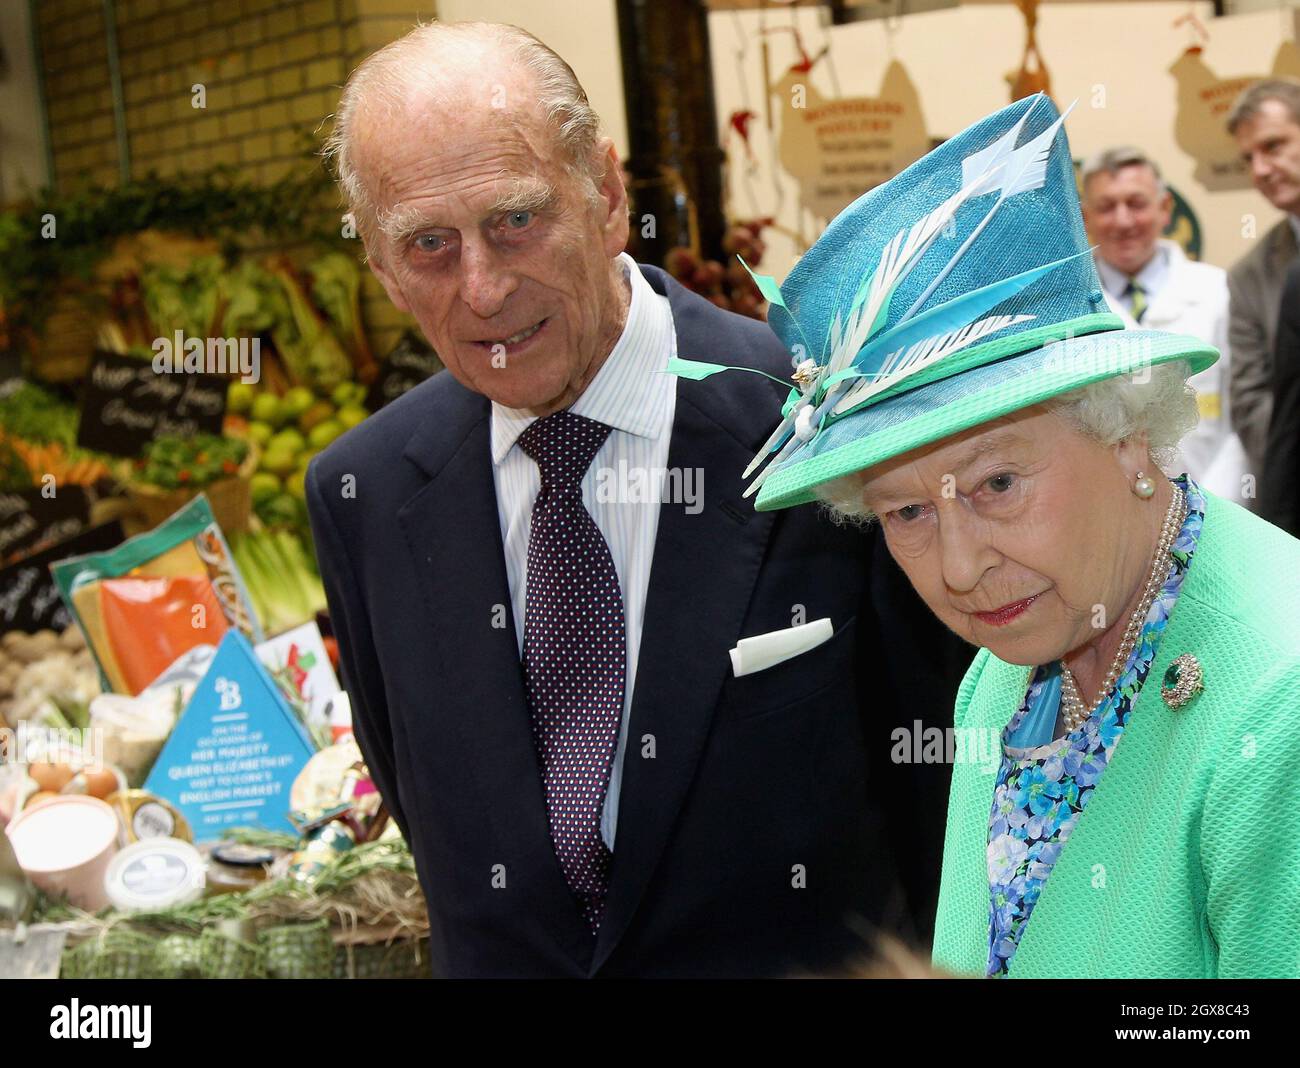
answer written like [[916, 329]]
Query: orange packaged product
[[152, 621], [156, 596]]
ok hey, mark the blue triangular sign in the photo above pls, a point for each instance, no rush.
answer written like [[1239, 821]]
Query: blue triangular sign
[[234, 753]]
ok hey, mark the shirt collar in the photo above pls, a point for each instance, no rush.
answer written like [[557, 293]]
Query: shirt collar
[[628, 392], [1150, 278]]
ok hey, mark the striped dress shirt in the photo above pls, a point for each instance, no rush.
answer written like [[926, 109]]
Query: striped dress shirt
[[630, 395]]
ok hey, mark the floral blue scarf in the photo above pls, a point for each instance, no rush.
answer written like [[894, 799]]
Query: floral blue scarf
[[1042, 791]]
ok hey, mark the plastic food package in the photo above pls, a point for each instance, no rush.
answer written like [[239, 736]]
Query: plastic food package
[[135, 729], [156, 596]]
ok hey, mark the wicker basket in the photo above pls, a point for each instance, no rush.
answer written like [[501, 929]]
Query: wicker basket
[[231, 499], [67, 340], [287, 951]]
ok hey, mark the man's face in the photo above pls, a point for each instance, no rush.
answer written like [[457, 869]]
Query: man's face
[[1270, 144], [1126, 213], [496, 249]]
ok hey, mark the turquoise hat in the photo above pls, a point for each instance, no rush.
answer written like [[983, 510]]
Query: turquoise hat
[[958, 291]]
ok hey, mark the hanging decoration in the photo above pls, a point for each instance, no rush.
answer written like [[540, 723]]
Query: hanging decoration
[[1033, 76], [1204, 98], [837, 147]]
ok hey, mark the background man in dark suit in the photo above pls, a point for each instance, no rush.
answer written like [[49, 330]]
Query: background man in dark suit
[[537, 654], [1265, 120], [1279, 489]]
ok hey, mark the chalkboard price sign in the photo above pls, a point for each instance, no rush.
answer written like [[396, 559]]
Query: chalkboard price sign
[[125, 404], [30, 599], [30, 519]]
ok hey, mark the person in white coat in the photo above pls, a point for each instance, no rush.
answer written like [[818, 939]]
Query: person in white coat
[[1149, 280]]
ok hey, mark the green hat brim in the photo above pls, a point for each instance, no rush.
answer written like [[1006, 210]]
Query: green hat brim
[[940, 409]]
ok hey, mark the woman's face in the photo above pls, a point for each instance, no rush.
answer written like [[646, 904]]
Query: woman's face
[[1022, 535]]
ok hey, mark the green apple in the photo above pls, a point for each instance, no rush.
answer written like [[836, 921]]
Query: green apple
[[289, 440], [279, 462], [326, 432], [259, 433], [297, 401], [351, 415], [267, 409], [239, 397], [263, 486]]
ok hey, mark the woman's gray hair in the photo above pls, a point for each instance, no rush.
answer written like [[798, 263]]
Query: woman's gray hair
[[388, 79], [1158, 402]]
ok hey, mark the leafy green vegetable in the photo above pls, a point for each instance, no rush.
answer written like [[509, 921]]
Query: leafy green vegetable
[[13, 472], [39, 416], [220, 203], [310, 351], [173, 462], [281, 578], [183, 298], [254, 300], [336, 288]]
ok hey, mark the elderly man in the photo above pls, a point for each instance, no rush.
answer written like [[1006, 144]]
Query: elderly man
[[1150, 281], [537, 654], [1265, 120]]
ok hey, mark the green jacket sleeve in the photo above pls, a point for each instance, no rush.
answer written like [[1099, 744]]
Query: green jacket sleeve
[[1250, 849]]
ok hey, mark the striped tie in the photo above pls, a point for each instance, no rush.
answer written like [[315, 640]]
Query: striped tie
[[1137, 299]]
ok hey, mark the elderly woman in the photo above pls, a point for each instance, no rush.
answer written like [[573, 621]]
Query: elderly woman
[[959, 377]]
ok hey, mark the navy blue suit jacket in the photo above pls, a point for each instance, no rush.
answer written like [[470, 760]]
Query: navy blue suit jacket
[[750, 839]]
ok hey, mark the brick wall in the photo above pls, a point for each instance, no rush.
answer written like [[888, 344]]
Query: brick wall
[[271, 71]]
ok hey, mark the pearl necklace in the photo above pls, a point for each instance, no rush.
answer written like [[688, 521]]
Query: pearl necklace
[[1073, 710]]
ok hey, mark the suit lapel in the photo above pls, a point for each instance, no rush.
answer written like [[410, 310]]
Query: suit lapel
[[1282, 250], [704, 569], [453, 534]]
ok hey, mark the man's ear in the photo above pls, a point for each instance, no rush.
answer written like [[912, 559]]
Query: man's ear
[[1166, 211], [613, 199], [386, 279]]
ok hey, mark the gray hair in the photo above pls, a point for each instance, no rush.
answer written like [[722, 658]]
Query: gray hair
[[1112, 160], [1285, 91], [1161, 404], [390, 77]]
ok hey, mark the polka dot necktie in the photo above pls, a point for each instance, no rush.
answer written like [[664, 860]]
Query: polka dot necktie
[[574, 652]]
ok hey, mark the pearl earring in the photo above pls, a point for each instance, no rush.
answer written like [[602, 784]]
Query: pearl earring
[[1143, 486]]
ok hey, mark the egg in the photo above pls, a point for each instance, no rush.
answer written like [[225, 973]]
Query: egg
[[101, 783], [51, 777], [38, 797]]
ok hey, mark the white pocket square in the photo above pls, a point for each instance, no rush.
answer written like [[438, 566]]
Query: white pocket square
[[767, 650]]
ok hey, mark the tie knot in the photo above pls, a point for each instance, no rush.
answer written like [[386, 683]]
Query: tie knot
[[563, 444]]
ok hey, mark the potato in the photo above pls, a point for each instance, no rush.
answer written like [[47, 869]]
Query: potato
[[30, 649], [72, 639]]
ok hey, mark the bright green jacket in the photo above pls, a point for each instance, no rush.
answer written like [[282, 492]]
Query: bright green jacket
[[1186, 861]]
